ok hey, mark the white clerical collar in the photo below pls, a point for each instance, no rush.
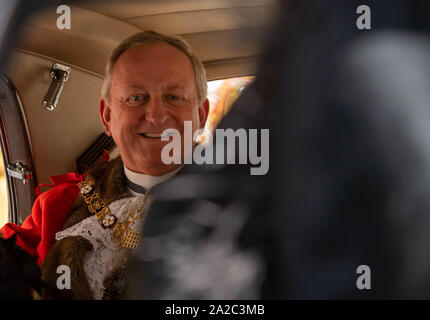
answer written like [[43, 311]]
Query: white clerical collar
[[146, 181]]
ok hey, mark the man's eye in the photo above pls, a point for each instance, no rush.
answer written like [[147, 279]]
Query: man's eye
[[136, 98], [175, 98]]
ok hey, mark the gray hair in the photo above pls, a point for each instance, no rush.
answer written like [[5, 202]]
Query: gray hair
[[141, 37]]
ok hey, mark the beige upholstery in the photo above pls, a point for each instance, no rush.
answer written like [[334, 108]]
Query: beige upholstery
[[58, 137]]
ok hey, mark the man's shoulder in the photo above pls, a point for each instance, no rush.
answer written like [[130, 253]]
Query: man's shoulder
[[109, 178], [103, 167]]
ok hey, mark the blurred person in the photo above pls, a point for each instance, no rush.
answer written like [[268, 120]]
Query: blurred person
[[353, 167], [348, 185]]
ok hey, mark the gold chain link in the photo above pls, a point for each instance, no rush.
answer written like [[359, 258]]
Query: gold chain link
[[120, 230]]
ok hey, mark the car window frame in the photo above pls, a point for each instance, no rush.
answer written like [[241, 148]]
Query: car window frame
[[16, 146]]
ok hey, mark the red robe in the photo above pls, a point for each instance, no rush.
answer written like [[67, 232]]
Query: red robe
[[37, 233]]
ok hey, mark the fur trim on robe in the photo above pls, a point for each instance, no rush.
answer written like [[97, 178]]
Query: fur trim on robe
[[71, 251]]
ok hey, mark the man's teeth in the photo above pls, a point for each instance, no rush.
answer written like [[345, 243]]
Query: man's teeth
[[152, 135]]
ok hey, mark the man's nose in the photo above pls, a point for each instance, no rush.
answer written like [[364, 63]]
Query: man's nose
[[155, 111]]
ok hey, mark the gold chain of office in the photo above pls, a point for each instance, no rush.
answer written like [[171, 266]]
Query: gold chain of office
[[120, 230]]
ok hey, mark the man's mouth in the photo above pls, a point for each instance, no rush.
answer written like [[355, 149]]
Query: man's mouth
[[151, 135]]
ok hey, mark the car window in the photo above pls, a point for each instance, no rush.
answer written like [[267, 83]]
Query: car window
[[222, 94], [19, 178], [4, 212]]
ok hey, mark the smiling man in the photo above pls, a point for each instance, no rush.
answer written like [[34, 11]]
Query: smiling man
[[82, 230], [153, 83]]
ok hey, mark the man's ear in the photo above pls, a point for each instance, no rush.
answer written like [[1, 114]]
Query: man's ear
[[105, 116], [203, 113]]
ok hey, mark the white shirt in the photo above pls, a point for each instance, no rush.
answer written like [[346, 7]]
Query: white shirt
[[147, 181]]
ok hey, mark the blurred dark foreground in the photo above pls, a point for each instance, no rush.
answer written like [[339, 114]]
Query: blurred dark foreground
[[349, 179]]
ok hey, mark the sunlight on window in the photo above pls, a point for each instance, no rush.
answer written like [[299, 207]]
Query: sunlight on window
[[222, 94], [3, 194]]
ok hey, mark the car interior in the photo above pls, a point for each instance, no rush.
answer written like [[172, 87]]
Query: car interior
[[342, 86]]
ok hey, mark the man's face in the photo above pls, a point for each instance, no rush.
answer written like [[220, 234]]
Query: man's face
[[153, 88]]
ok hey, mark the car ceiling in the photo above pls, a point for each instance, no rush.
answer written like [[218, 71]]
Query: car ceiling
[[227, 35]]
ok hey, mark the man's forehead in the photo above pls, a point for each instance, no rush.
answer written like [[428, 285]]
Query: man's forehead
[[137, 60], [153, 63], [130, 85], [152, 51]]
